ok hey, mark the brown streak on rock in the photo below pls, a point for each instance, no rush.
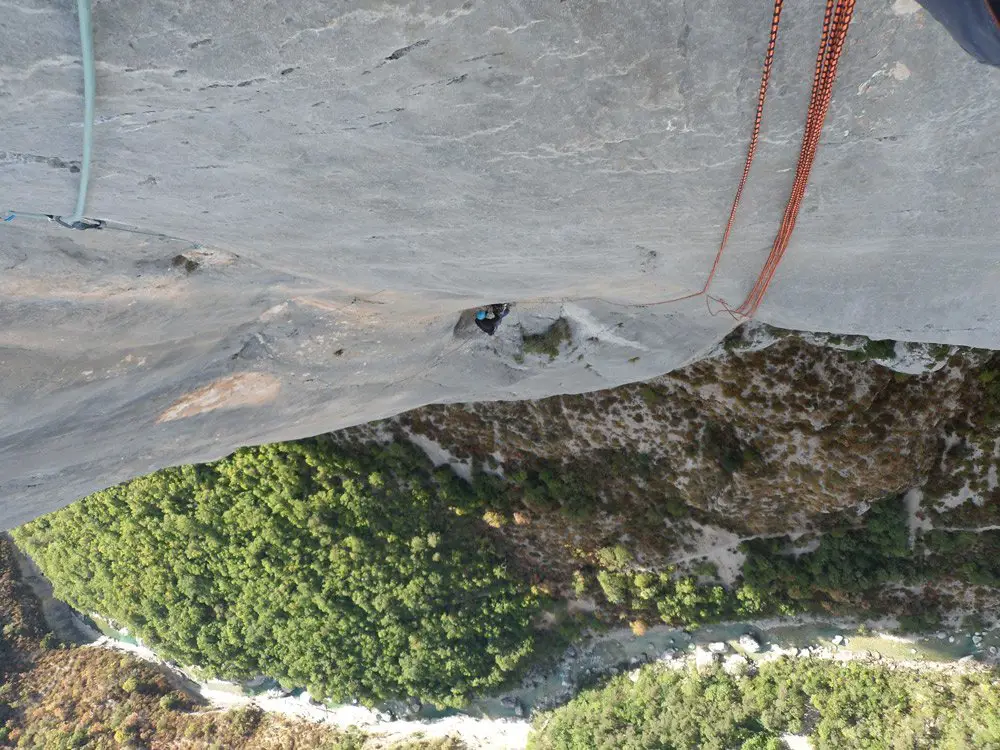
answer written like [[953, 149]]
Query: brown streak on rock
[[230, 392]]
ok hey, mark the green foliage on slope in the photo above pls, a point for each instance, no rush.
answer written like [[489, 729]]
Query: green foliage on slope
[[848, 562], [852, 562], [676, 600], [344, 569], [838, 706], [549, 341], [968, 556], [56, 698]]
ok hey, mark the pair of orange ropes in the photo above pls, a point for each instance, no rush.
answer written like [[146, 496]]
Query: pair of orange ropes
[[836, 21]]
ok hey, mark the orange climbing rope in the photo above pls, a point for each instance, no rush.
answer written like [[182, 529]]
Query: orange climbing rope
[[754, 137], [752, 149], [836, 21]]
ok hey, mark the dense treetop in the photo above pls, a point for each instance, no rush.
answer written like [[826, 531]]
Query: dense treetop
[[342, 568], [839, 706]]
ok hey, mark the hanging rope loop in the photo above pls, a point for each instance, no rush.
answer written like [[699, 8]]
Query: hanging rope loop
[[836, 20]]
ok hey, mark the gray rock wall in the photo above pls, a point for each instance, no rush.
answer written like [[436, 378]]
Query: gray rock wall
[[343, 179]]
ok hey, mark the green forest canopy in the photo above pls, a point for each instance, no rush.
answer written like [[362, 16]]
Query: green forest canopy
[[839, 706], [341, 568]]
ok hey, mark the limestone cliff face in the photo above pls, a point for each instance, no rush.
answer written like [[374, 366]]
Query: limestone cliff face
[[321, 190]]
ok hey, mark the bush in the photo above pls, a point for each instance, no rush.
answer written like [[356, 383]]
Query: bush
[[614, 585], [872, 349], [880, 349], [244, 721], [171, 702], [720, 443], [614, 558], [550, 340], [494, 519]]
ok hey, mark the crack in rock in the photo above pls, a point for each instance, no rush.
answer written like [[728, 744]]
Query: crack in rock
[[14, 157], [403, 51]]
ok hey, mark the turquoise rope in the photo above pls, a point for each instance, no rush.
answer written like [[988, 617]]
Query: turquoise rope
[[89, 95], [11, 215], [89, 91]]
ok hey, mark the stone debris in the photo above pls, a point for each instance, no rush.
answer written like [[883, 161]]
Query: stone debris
[[736, 664], [703, 658], [749, 644]]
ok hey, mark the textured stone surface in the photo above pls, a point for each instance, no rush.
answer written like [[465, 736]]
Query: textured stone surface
[[348, 177]]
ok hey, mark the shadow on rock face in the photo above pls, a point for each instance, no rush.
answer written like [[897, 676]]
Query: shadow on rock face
[[466, 328]]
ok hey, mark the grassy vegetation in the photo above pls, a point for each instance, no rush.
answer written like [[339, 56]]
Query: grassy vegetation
[[344, 569], [757, 441], [837, 706], [549, 341]]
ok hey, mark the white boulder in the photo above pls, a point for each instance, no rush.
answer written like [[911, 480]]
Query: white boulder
[[703, 658], [749, 644], [736, 664]]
